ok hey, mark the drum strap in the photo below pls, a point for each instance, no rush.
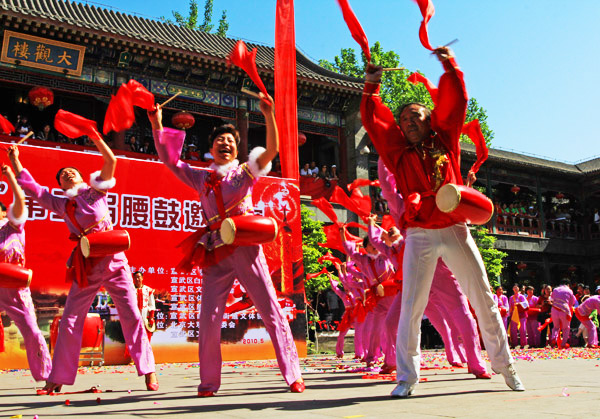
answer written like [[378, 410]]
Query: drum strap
[[214, 184], [79, 269]]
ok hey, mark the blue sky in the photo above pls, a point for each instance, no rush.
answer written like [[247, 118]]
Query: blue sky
[[531, 64]]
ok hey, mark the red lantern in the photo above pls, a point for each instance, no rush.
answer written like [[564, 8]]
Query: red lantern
[[560, 195], [522, 266], [515, 189], [572, 268], [301, 139], [183, 120], [41, 97]]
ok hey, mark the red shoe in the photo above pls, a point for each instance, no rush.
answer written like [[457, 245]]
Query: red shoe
[[151, 386], [387, 369], [483, 376], [297, 387], [48, 389], [457, 365], [206, 394]]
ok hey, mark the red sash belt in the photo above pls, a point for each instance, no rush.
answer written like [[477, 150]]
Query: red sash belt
[[80, 266], [346, 321], [412, 205]]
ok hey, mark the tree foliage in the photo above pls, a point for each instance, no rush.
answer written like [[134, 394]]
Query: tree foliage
[[191, 20], [492, 257], [395, 90], [312, 235]]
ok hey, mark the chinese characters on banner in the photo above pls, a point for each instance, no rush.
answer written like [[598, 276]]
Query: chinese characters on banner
[[42, 53], [159, 212]]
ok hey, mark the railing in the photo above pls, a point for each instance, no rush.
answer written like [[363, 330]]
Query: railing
[[518, 225]]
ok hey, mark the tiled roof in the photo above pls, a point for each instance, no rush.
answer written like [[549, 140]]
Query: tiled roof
[[587, 167], [92, 18]]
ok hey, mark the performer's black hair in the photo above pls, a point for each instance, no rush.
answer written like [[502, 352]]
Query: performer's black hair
[[406, 105], [137, 272], [2, 206], [61, 170], [565, 281], [224, 129], [365, 241]]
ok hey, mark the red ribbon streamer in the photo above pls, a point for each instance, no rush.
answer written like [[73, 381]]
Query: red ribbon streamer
[[74, 126], [416, 78], [330, 258], [327, 209], [321, 272], [427, 10], [473, 131], [358, 34], [6, 126], [140, 96], [119, 114], [245, 60]]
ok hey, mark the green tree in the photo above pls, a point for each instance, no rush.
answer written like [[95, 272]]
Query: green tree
[[312, 235], [492, 257], [395, 90], [191, 20]]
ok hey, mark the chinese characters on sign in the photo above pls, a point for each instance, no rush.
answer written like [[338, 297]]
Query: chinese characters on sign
[[45, 54]]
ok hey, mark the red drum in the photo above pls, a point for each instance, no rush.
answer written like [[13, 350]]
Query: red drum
[[14, 276], [105, 243], [93, 331], [467, 203], [247, 230]]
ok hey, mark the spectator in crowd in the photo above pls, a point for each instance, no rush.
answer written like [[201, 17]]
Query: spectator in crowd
[[519, 303], [147, 147], [192, 153], [314, 170], [533, 335], [579, 292], [586, 293], [324, 175], [544, 303], [133, 144], [23, 126], [305, 171], [596, 216], [46, 134], [502, 302], [334, 174]]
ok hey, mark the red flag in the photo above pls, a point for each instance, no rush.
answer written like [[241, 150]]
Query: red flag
[[358, 34], [416, 78], [74, 126], [473, 131], [330, 258], [362, 202], [352, 203], [321, 272], [140, 96], [286, 111], [334, 240], [327, 209], [427, 10], [360, 183], [5, 125], [119, 114], [245, 60]]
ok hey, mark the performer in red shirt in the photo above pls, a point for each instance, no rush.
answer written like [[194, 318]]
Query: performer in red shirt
[[423, 153]]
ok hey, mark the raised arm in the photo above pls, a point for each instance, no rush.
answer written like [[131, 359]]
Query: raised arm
[[18, 206], [272, 146], [110, 161]]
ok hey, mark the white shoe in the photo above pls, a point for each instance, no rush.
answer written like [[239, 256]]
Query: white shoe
[[510, 377], [403, 390]]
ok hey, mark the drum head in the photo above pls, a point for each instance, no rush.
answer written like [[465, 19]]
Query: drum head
[[447, 198], [228, 231], [85, 246]]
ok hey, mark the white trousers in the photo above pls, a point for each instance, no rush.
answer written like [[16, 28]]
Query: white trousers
[[458, 250]]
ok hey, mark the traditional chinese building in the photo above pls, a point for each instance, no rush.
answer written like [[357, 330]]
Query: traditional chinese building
[[83, 53]]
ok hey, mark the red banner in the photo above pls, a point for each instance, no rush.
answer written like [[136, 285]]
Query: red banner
[[159, 212]]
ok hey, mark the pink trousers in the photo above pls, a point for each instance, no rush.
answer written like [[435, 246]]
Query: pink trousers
[[380, 341], [533, 334], [115, 277], [561, 322], [359, 351], [18, 305], [249, 266], [522, 330]]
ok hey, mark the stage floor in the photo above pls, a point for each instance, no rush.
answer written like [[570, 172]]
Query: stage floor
[[559, 383]]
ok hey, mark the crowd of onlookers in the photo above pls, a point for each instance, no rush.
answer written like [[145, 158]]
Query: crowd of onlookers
[[327, 174]]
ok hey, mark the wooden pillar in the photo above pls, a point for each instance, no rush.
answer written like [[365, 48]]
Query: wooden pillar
[[488, 178], [241, 122], [343, 160], [540, 207]]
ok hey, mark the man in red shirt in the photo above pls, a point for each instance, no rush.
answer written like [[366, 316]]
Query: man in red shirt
[[423, 153]]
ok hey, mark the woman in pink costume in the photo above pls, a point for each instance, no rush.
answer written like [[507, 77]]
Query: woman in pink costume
[[85, 211], [225, 191], [518, 302], [16, 302]]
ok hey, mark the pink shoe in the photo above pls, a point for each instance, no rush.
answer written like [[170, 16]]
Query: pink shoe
[[151, 386], [48, 389], [483, 376]]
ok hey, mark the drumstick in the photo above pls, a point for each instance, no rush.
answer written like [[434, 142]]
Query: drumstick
[[250, 93], [29, 135], [393, 69], [455, 40], [162, 105]]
